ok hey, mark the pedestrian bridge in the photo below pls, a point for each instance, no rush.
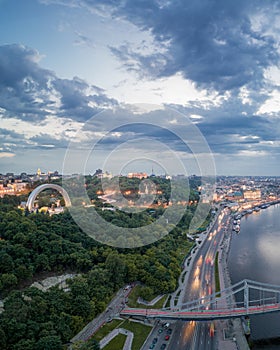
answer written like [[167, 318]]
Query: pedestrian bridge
[[241, 299]]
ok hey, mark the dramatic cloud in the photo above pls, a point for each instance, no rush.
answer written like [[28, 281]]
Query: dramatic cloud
[[219, 44], [47, 141], [11, 141], [30, 92], [234, 127], [24, 90], [79, 101], [215, 61], [38, 110]]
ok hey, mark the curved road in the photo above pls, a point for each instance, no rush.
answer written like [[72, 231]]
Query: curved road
[[199, 282]]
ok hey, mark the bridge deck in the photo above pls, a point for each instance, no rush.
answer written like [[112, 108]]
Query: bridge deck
[[202, 314]]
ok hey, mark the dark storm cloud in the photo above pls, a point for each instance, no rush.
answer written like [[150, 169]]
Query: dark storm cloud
[[18, 62], [228, 128], [11, 141], [233, 126], [138, 132], [213, 43], [141, 130], [29, 92], [75, 100], [10, 134], [21, 79], [47, 141]]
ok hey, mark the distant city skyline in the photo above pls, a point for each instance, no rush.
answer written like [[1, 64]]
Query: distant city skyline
[[63, 62]]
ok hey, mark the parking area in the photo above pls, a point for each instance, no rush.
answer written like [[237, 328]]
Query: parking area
[[159, 337]]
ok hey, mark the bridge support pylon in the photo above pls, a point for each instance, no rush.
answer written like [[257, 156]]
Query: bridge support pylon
[[246, 296]]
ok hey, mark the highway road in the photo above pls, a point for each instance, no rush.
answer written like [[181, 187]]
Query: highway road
[[199, 282]]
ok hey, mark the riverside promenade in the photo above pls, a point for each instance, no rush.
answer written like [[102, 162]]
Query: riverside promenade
[[230, 332]]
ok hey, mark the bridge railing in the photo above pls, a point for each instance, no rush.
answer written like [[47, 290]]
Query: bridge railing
[[245, 293], [201, 314]]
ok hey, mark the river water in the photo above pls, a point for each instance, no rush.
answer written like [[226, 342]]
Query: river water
[[255, 255]]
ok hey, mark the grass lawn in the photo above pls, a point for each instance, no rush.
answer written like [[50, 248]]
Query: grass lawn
[[107, 328], [140, 331], [158, 304], [217, 276], [116, 343], [168, 301], [134, 295]]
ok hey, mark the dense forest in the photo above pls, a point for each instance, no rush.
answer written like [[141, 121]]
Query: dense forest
[[35, 245]]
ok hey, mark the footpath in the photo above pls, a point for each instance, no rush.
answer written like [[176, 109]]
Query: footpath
[[129, 338], [149, 303]]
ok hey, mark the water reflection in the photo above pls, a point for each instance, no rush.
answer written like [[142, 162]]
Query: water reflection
[[268, 248], [255, 254]]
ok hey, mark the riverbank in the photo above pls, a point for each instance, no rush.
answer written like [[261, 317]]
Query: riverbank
[[230, 332]]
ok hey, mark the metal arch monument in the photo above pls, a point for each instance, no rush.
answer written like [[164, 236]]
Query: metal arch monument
[[37, 190]]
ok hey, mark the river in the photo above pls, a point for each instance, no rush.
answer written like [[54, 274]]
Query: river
[[255, 254]]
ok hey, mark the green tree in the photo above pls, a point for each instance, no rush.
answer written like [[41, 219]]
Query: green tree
[[7, 263], [8, 281], [51, 342], [76, 323], [2, 339], [25, 344], [42, 263], [146, 293], [91, 344], [116, 269]]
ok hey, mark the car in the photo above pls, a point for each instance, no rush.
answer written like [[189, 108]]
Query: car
[[154, 340], [160, 331], [163, 346], [169, 331], [167, 337], [152, 346], [212, 330]]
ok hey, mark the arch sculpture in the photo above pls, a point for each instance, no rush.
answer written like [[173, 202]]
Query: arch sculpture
[[37, 190]]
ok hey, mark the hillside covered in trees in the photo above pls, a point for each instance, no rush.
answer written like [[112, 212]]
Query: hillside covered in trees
[[33, 246]]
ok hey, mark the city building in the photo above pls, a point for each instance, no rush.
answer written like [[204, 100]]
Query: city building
[[235, 196], [6, 190], [137, 175], [12, 188], [252, 195]]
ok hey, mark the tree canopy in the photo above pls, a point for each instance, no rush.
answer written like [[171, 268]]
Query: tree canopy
[[36, 245]]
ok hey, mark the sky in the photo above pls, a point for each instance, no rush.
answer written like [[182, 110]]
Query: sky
[[207, 72]]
